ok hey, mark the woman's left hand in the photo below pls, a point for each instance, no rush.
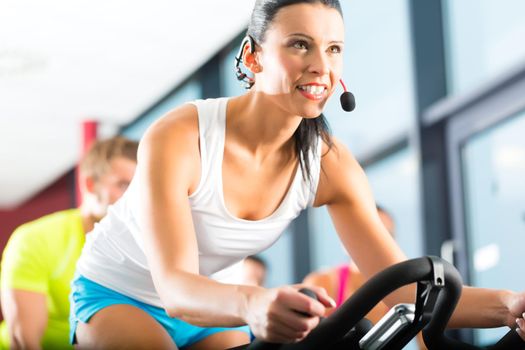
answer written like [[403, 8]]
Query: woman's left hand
[[516, 306]]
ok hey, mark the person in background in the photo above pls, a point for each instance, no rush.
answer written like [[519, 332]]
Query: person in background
[[39, 260], [254, 271]]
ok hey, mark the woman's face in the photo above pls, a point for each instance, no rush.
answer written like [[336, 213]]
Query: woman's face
[[301, 58]]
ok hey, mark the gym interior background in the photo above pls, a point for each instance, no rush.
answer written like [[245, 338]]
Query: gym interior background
[[439, 129]]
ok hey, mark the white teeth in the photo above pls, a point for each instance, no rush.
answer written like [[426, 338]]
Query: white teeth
[[313, 89]]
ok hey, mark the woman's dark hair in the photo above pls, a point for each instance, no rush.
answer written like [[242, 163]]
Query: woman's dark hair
[[307, 133], [264, 12]]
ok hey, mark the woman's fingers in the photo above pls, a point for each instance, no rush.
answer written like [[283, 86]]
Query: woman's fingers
[[320, 292], [521, 327], [323, 296], [284, 333], [294, 320], [293, 299]]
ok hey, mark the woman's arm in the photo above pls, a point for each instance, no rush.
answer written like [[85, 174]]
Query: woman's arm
[[168, 171], [344, 189]]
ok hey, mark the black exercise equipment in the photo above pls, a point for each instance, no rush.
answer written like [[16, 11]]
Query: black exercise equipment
[[438, 290]]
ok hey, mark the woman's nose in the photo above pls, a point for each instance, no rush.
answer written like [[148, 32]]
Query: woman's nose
[[319, 63]]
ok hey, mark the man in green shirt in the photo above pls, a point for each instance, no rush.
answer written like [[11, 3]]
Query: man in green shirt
[[39, 260]]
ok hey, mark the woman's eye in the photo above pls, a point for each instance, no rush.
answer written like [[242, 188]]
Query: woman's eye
[[335, 49], [301, 45]]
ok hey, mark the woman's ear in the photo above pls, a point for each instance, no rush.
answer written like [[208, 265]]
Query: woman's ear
[[250, 57]]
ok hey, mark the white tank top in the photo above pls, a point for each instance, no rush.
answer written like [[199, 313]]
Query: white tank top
[[113, 255]]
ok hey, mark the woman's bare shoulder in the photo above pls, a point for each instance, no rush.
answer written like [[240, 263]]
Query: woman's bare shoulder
[[170, 148], [176, 131], [181, 121], [336, 154]]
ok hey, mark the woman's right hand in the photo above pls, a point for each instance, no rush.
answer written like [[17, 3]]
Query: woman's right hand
[[285, 315]]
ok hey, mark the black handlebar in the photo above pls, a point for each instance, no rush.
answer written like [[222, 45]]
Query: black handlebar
[[342, 320]]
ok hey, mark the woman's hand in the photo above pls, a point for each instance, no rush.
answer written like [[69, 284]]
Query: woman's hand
[[516, 306], [284, 315]]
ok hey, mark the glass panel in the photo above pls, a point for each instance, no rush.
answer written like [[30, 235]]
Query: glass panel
[[483, 40], [378, 70], [395, 183], [494, 171], [188, 92]]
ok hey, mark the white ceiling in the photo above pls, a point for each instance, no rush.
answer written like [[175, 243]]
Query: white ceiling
[[65, 61]]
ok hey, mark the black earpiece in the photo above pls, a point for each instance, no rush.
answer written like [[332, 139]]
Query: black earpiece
[[347, 99], [248, 81]]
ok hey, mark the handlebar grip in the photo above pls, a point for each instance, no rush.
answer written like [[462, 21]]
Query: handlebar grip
[[308, 292]]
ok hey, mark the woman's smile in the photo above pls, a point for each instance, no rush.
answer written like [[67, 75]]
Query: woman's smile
[[313, 91]]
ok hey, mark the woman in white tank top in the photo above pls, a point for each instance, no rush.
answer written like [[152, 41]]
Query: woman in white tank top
[[218, 180]]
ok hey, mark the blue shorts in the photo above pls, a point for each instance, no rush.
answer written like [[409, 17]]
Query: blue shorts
[[87, 298]]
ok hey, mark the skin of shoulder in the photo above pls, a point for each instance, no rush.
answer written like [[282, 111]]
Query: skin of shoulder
[[174, 142], [341, 176], [338, 170]]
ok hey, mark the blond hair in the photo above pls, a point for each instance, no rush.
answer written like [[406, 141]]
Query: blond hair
[[96, 161]]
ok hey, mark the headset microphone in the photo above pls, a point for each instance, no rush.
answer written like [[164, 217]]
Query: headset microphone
[[347, 99]]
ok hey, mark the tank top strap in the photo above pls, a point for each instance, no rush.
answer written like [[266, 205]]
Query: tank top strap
[[212, 129]]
